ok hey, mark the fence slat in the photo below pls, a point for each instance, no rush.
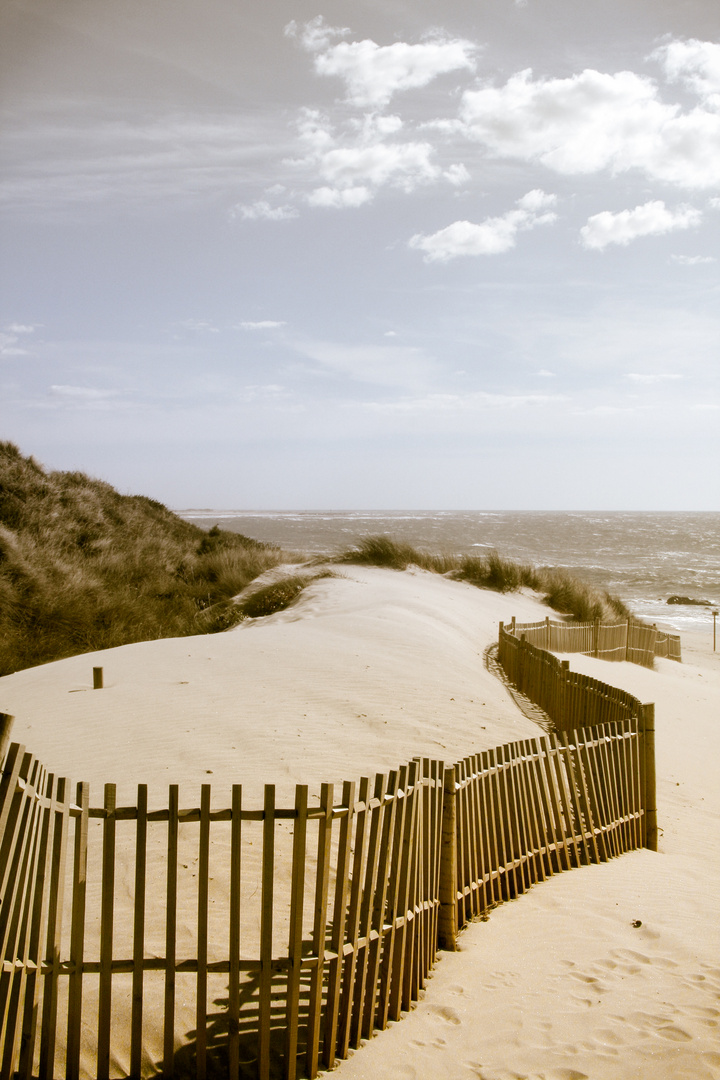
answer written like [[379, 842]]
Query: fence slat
[[379, 901], [402, 908], [136, 1019], [234, 934], [171, 931], [322, 880], [352, 931], [266, 933], [107, 906], [48, 1033], [297, 898], [203, 874], [337, 937], [77, 934], [368, 901]]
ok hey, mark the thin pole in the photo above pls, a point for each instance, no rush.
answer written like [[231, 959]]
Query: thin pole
[[714, 615]]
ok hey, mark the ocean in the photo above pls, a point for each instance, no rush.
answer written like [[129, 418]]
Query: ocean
[[643, 558]]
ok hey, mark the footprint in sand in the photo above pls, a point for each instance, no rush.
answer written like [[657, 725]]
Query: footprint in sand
[[702, 1012], [484, 1072], [675, 1034], [444, 1012], [608, 1037], [589, 980]]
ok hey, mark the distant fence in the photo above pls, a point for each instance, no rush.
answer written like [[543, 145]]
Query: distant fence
[[628, 640], [307, 927]]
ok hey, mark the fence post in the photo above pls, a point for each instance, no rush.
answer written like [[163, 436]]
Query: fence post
[[627, 638], [447, 923], [521, 665], [564, 696], [647, 727], [6, 723], [596, 636], [547, 633]]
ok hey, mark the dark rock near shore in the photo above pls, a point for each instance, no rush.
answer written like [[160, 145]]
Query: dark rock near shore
[[688, 600]]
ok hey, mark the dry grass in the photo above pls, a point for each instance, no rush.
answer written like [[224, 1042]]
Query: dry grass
[[560, 589], [83, 567]]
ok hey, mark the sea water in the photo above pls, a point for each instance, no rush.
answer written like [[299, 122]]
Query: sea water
[[643, 558]]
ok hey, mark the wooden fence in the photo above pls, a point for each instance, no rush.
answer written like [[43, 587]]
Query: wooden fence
[[267, 941], [628, 640]]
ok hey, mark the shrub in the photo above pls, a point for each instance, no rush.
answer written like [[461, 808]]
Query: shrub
[[384, 551], [276, 596]]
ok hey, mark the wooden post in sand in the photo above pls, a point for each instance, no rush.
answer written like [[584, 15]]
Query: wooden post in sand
[[648, 782], [563, 710], [6, 723], [447, 923], [97, 678]]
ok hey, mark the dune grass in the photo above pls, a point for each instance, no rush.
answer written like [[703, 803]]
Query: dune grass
[[559, 589], [83, 567]]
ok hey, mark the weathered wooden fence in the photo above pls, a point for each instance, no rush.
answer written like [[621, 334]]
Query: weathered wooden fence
[[306, 927], [628, 640]]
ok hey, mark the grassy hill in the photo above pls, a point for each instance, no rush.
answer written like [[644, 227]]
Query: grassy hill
[[83, 567]]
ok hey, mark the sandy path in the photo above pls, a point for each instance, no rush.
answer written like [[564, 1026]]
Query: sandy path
[[366, 671]]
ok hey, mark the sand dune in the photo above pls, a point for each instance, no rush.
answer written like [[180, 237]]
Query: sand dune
[[609, 972]]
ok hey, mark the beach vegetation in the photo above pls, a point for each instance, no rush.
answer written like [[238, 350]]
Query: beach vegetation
[[395, 555], [276, 596], [83, 567], [560, 589]]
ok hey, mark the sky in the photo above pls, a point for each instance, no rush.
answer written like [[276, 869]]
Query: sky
[[371, 255]]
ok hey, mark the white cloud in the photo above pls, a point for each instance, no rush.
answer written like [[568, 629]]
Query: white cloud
[[199, 325], [692, 260], [264, 324], [373, 73], [20, 328], [84, 397], [694, 63], [357, 160], [457, 175], [315, 34], [263, 392], [651, 219], [593, 121], [382, 365], [547, 374], [479, 401], [8, 345], [263, 211], [340, 197], [655, 378], [490, 237]]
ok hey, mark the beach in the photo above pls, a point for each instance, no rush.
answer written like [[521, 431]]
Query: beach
[[606, 972]]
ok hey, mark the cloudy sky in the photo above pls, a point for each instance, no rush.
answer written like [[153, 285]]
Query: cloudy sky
[[365, 255]]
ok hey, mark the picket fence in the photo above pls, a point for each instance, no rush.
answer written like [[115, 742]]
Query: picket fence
[[628, 640], [266, 941]]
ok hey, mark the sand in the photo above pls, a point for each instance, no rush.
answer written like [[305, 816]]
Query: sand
[[367, 670]]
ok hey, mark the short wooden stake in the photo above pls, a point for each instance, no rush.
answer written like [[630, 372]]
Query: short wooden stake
[[647, 728], [448, 921], [97, 678]]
